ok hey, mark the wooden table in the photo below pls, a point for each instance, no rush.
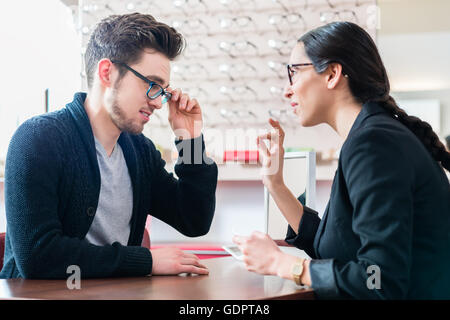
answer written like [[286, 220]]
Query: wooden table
[[228, 280]]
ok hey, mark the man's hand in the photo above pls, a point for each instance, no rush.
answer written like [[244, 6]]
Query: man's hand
[[185, 115], [171, 260]]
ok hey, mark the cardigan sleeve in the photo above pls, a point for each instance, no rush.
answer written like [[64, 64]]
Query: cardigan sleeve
[[379, 180], [40, 249], [187, 203]]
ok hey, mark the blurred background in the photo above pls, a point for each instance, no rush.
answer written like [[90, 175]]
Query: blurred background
[[234, 64]]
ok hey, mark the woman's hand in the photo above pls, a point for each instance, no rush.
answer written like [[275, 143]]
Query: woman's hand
[[272, 158], [261, 253], [185, 115]]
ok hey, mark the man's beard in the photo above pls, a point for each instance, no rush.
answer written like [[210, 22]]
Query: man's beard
[[119, 119]]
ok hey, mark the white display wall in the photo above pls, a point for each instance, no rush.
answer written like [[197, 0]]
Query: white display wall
[[235, 62]]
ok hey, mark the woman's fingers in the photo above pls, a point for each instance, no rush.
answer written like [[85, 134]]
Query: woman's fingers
[[265, 136], [276, 125], [274, 137], [263, 148], [239, 240]]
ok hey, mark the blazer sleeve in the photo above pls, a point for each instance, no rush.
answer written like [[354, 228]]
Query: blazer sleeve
[[306, 232], [187, 203], [379, 180], [34, 167]]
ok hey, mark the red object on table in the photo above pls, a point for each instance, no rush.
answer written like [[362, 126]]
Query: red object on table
[[202, 251], [241, 156]]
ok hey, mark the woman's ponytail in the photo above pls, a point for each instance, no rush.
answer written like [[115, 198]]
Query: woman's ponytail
[[422, 130]]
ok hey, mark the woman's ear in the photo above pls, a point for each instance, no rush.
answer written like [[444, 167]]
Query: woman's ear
[[334, 75]]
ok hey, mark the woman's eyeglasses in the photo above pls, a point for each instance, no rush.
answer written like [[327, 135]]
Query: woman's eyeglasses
[[291, 71], [154, 89]]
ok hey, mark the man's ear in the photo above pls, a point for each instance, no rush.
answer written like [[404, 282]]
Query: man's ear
[[105, 72], [334, 75]]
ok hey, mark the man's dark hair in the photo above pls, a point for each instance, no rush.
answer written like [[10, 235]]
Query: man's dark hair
[[124, 38]]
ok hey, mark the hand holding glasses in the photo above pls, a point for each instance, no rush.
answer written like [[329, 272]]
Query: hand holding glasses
[[154, 89]]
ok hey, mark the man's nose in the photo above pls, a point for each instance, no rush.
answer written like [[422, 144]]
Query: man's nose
[[155, 103]]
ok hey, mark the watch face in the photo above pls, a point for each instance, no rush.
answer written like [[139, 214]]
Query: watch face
[[298, 268]]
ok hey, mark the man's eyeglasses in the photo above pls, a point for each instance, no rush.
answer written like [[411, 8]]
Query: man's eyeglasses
[[291, 71], [154, 89]]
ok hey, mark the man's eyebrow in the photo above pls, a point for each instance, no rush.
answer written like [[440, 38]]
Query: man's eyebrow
[[156, 79]]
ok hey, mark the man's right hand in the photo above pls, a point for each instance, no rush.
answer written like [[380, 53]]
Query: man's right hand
[[172, 260]]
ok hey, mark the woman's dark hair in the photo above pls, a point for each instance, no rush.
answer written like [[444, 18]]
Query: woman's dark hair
[[124, 37], [353, 48]]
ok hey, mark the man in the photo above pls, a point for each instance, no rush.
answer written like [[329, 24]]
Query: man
[[81, 181]]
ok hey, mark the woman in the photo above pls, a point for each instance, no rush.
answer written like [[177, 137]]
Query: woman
[[385, 232]]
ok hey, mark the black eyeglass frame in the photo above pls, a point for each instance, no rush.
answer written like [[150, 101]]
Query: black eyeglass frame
[[162, 91], [290, 66]]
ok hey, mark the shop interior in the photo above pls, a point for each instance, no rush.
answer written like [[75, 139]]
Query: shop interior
[[235, 66]]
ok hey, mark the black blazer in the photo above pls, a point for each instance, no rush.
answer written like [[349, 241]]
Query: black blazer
[[389, 208]]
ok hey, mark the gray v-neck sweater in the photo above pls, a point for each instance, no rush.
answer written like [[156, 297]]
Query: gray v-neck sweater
[[112, 219]]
